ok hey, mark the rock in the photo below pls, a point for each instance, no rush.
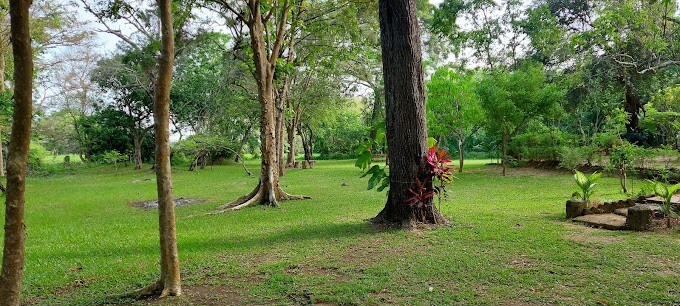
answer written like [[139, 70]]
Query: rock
[[640, 217], [605, 221], [575, 208], [621, 211]]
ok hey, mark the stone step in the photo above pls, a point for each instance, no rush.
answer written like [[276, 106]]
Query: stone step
[[605, 221], [621, 212]]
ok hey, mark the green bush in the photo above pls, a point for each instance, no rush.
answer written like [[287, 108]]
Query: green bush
[[219, 149], [36, 157]]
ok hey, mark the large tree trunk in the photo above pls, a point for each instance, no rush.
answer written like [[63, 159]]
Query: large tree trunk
[[15, 231], [2, 89], [406, 123], [268, 190], [633, 106], [169, 283], [137, 142]]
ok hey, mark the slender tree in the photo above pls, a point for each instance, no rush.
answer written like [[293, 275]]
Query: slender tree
[[15, 232], [169, 283], [406, 118]]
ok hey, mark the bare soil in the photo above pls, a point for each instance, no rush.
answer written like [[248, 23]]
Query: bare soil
[[153, 204]]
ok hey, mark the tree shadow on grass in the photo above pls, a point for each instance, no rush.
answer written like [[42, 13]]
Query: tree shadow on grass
[[226, 243]]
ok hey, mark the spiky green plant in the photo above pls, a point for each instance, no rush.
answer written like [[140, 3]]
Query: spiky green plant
[[666, 192], [586, 184]]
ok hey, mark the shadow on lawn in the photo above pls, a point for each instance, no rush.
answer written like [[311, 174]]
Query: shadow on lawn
[[227, 242]]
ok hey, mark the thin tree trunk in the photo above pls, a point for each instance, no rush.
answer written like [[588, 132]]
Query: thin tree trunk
[[461, 154], [290, 130], [244, 139], [13, 255], [280, 139], [170, 273], [2, 157], [169, 283], [504, 148], [137, 141], [405, 103]]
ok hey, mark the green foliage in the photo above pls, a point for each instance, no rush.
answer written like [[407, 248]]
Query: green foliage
[[112, 157], [219, 150], [36, 156], [666, 192], [586, 184], [453, 106], [111, 129]]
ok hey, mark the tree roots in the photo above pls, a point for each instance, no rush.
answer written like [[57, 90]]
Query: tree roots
[[156, 289], [260, 195]]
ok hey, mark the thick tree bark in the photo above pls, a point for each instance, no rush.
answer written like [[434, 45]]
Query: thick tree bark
[[633, 106], [15, 231], [137, 142], [2, 89], [406, 121], [169, 283]]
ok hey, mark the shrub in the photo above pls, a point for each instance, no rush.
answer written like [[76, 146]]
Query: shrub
[[218, 148], [36, 157], [572, 158]]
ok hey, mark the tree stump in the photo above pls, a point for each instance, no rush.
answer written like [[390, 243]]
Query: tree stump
[[640, 217], [575, 208]]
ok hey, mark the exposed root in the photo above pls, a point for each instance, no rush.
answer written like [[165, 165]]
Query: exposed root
[[289, 197], [154, 290], [257, 196]]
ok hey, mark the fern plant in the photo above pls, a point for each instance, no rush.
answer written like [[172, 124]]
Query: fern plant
[[586, 184]]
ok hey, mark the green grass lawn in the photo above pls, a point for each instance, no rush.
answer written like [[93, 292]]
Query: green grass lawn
[[508, 243]]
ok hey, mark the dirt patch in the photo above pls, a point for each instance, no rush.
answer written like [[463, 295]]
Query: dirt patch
[[585, 234], [205, 295], [523, 262], [153, 204], [333, 273]]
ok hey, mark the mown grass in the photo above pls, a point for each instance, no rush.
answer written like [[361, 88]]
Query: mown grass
[[507, 243]]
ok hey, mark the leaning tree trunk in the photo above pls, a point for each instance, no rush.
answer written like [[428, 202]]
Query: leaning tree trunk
[[17, 162], [169, 283], [268, 190], [406, 123], [244, 139]]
